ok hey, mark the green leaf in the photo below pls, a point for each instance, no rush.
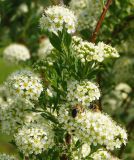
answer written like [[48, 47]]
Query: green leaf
[[55, 41], [50, 117]]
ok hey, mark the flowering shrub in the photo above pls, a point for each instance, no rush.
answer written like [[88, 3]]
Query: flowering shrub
[[56, 113]]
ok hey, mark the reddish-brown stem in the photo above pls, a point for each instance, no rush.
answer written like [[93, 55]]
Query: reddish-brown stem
[[96, 31], [94, 35]]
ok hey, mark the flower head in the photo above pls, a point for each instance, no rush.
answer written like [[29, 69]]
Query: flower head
[[25, 84], [55, 18], [87, 51], [82, 93], [34, 138], [16, 52]]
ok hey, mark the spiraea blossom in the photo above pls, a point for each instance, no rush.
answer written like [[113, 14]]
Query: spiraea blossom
[[107, 50], [124, 70], [55, 18], [16, 52], [34, 138], [45, 49], [4, 156], [93, 128], [87, 11], [102, 154], [87, 51], [25, 84], [14, 114], [82, 93]]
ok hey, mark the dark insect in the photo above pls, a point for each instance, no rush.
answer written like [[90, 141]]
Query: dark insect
[[77, 109], [74, 112], [94, 107]]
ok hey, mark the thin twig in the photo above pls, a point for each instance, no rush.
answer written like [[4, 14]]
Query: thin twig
[[94, 35], [96, 31]]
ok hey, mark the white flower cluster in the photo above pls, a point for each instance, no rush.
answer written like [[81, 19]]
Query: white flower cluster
[[34, 138], [87, 11], [124, 71], [25, 84], [87, 51], [16, 52], [93, 128], [14, 114], [103, 155], [55, 17], [45, 49], [82, 93], [107, 50], [4, 156]]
